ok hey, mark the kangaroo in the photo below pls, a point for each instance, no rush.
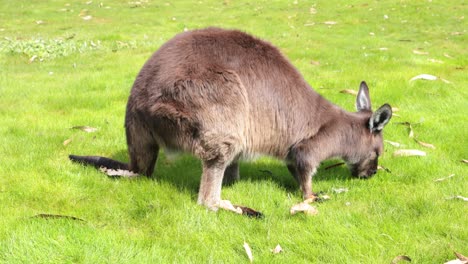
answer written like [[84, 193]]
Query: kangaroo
[[224, 95]]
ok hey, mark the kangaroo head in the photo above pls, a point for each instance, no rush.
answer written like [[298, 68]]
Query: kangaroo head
[[367, 141]]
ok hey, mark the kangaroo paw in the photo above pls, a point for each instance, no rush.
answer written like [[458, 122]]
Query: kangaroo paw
[[317, 197], [227, 205]]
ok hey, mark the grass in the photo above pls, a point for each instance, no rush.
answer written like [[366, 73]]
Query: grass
[[82, 73]]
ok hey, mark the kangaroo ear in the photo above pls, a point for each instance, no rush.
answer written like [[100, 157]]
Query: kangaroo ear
[[380, 118], [363, 102]]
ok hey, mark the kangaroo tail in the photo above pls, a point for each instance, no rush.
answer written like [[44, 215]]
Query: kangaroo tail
[[99, 162]]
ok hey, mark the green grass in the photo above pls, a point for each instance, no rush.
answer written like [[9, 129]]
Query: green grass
[[82, 74]]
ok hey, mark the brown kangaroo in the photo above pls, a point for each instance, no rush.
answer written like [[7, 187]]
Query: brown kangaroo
[[224, 95]]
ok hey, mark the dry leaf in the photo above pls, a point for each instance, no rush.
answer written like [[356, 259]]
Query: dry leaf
[[277, 249], [464, 161], [248, 251], [435, 61], [66, 142], [32, 58], [54, 216], [313, 11], [424, 144], [408, 153], [418, 52], [118, 172], [395, 144], [380, 167], [334, 165], [316, 63], [445, 178], [339, 190], [87, 17], [349, 91], [303, 207], [330, 22], [39, 22], [458, 197], [424, 77], [87, 129], [83, 13], [460, 259], [399, 258], [457, 261], [448, 56], [409, 125]]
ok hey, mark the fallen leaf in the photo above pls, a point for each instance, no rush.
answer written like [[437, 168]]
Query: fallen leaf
[[118, 172], [410, 127], [325, 197], [83, 12], [408, 153], [313, 11], [424, 77], [418, 52], [339, 190], [39, 22], [379, 167], [349, 91], [277, 249], [316, 63], [89, 2], [87, 18], [460, 256], [395, 144], [248, 251], [399, 258], [54, 216], [435, 61], [66, 142], [330, 22], [457, 261], [445, 178], [32, 58], [448, 56], [458, 197], [334, 165], [464, 161], [395, 109], [424, 144], [87, 129], [303, 207]]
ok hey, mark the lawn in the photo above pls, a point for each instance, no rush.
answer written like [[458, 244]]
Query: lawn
[[72, 63]]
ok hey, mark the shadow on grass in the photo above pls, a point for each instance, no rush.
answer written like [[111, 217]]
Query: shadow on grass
[[184, 172]]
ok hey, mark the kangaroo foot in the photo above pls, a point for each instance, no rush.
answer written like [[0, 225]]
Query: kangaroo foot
[[227, 205]]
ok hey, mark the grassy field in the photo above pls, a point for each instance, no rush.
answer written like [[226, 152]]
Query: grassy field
[[72, 63]]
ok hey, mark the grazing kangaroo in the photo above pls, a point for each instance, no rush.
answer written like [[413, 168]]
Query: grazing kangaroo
[[224, 95]]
